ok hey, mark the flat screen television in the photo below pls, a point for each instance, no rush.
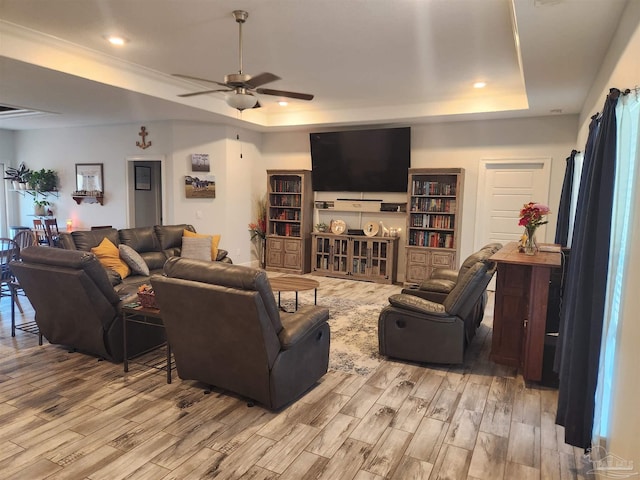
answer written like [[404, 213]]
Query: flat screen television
[[361, 160]]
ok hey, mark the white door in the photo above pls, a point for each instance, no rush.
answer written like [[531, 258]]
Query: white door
[[504, 186]]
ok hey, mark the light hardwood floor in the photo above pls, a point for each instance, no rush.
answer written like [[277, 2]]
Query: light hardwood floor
[[70, 416]]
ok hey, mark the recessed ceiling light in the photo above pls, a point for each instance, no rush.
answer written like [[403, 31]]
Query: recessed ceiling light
[[116, 40], [479, 84], [283, 103]]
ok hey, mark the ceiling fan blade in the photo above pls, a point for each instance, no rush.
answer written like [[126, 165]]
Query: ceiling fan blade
[[189, 77], [261, 79], [284, 93], [193, 94]]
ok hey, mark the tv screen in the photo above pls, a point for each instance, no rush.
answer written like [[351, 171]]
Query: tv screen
[[361, 160]]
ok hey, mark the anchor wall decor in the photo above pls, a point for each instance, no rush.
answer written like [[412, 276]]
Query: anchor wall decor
[[143, 133]]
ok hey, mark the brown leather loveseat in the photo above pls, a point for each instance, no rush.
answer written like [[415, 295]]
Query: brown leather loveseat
[[225, 330]]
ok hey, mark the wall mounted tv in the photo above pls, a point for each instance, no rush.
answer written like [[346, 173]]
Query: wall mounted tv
[[361, 160]]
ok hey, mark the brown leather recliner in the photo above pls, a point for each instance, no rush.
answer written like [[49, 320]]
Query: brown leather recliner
[[225, 330], [413, 328], [443, 280], [75, 304]]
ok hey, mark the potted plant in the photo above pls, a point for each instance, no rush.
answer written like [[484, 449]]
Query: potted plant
[[40, 207], [43, 180], [17, 176]]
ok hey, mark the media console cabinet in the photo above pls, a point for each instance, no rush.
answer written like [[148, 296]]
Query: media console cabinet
[[356, 257]]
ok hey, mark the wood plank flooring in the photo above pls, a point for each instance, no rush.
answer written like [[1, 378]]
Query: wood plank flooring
[[70, 416]]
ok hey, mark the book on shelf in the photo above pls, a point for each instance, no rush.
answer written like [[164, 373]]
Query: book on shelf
[[427, 187], [280, 185]]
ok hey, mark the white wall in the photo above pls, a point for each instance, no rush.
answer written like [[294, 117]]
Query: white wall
[[455, 144], [60, 149]]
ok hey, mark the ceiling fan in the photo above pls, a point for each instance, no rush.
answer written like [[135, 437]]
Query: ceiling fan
[[239, 86]]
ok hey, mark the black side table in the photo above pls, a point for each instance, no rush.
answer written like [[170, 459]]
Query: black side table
[[144, 316], [30, 327]]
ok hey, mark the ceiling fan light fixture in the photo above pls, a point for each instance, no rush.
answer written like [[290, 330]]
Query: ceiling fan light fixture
[[241, 100]]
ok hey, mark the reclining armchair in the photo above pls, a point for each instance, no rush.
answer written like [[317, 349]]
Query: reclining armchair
[[75, 304], [443, 280], [225, 330], [415, 329]]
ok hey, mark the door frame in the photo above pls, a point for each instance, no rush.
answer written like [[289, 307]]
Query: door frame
[[481, 199], [130, 193]]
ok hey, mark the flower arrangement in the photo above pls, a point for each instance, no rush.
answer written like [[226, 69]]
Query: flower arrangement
[[531, 215], [259, 227]]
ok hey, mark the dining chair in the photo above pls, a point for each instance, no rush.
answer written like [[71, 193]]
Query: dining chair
[[40, 231], [51, 227], [25, 238]]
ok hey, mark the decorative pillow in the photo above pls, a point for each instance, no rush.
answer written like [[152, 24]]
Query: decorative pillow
[[109, 257], [133, 259], [215, 240], [196, 248]]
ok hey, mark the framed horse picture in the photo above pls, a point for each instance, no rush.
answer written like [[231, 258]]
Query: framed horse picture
[[202, 186]]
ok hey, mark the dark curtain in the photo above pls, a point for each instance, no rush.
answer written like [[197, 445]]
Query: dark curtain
[[583, 306], [562, 226]]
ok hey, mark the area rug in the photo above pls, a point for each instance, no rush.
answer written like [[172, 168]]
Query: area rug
[[354, 333]]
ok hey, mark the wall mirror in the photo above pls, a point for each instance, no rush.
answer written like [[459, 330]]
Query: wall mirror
[[89, 177]]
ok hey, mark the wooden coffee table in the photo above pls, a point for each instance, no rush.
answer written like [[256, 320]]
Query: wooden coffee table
[[290, 283]]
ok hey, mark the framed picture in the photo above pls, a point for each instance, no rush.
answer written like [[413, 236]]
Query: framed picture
[[142, 178], [89, 177], [203, 186], [200, 162]]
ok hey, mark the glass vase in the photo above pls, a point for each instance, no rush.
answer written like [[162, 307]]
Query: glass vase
[[530, 246]]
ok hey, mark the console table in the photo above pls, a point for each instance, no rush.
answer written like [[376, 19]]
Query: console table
[[520, 313]]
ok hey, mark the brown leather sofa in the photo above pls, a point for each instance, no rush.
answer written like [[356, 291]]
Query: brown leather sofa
[[75, 304], [154, 244], [225, 330], [415, 328]]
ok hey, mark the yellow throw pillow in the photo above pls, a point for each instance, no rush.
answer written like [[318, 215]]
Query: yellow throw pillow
[[109, 257], [215, 240]]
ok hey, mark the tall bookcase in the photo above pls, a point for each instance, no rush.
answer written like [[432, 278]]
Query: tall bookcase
[[289, 220], [434, 219]]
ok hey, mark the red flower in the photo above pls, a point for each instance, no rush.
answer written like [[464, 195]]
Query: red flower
[[532, 213]]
